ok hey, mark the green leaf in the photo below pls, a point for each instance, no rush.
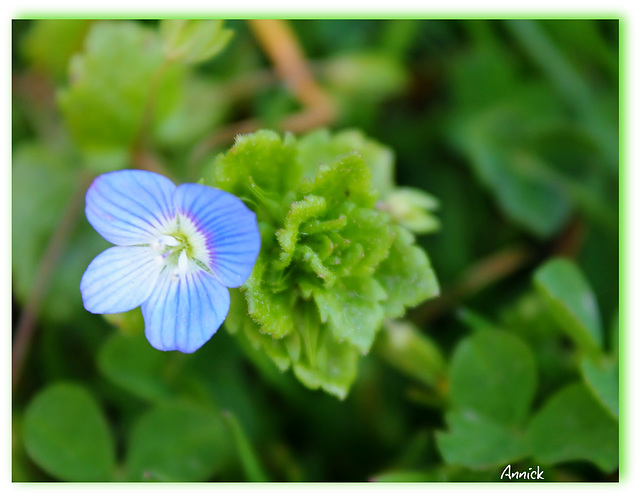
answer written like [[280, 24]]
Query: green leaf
[[67, 435], [194, 40], [321, 286], [352, 309], [201, 106], [572, 302], [117, 83], [50, 44], [406, 275], [177, 442], [260, 168], [573, 426], [321, 147], [493, 375], [251, 465], [477, 442], [333, 367], [602, 378], [131, 363], [498, 142]]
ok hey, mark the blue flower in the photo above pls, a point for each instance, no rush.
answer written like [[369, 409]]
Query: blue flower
[[178, 250]]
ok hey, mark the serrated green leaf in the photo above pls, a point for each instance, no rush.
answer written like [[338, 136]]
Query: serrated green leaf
[[353, 309], [572, 302], [313, 299], [493, 374], [406, 275], [477, 442], [259, 164], [333, 367], [177, 442], [67, 435], [345, 180], [194, 40], [310, 206], [129, 362], [572, 426], [321, 147]]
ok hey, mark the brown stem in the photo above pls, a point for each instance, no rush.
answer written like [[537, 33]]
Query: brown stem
[[281, 46], [26, 325]]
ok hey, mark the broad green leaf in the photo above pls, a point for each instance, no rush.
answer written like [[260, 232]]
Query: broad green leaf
[[573, 426], [118, 85], [253, 470], [50, 44], [404, 347], [477, 442], [177, 442], [499, 142], [572, 302], [602, 378], [194, 40], [201, 106], [493, 375], [131, 363], [66, 434]]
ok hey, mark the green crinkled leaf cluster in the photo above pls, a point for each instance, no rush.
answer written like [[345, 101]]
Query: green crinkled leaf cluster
[[333, 263]]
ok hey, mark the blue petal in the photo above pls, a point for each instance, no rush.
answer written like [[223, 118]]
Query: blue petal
[[126, 207], [229, 227], [119, 279], [183, 313]]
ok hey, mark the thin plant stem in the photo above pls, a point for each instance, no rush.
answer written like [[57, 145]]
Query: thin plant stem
[[25, 329]]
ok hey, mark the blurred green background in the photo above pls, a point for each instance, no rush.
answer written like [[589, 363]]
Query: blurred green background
[[511, 124]]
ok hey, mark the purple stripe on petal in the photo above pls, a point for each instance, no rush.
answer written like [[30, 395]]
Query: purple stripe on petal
[[119, 279], [184, 313], [230, 230], [127, 207]]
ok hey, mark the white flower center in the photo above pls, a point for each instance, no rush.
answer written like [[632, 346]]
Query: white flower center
[[181, 247]]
